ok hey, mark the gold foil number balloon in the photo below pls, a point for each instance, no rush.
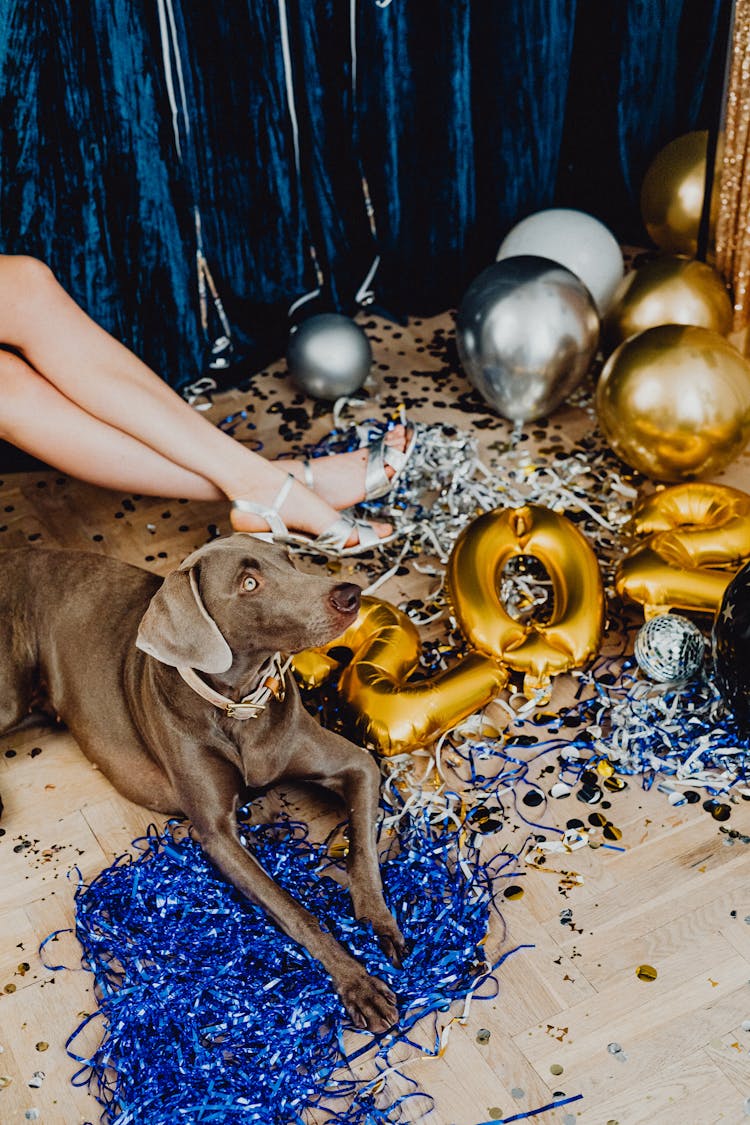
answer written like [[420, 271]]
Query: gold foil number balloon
[[393, 715], [572, 635], [698, 537], [674, 402]]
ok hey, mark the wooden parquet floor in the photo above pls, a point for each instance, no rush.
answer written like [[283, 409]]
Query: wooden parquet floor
[[676, 897]]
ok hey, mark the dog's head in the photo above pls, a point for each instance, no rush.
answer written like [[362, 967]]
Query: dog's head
[[240, 595]]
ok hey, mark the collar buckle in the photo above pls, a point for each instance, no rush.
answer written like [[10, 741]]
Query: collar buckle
[[244, 709], [272, 685]]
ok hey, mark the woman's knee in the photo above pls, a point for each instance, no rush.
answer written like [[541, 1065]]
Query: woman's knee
[[27, 291], [28, 276]]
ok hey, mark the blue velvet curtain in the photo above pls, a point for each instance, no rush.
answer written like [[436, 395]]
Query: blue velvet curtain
[[192, 170]]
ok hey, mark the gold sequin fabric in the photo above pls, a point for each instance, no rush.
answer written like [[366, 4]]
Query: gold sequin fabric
[[731, 203]]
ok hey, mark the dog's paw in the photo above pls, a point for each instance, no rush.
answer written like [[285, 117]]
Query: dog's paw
[[369, 1002], [391, 940]]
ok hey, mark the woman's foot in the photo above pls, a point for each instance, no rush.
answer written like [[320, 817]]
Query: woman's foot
[[339, 478], [300, 509]]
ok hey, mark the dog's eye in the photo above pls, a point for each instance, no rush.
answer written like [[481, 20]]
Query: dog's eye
[[249, 583]]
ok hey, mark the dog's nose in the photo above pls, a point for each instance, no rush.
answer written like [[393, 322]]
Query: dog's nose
[[345, 597]]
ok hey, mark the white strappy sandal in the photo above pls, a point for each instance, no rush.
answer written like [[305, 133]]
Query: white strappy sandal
[[331, 542], [380, 456]]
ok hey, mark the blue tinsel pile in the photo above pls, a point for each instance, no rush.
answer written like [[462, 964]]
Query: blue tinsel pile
[[213, 1015]]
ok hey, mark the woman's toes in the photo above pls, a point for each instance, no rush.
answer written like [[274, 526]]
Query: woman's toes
[[396, 438], [382, 529], [339, 478]]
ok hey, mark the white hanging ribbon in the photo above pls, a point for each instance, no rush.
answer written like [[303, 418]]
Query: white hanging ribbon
[[286, 55], [364, 295], [170, 50], [168, 35]]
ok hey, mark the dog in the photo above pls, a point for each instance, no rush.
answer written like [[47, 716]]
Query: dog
[[149, 674]]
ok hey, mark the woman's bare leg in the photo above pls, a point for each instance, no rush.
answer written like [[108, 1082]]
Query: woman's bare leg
[[37, 418], [110, 384], [41, 421]]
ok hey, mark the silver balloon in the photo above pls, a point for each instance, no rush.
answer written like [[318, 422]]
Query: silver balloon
[[329, 355], [527, 330]]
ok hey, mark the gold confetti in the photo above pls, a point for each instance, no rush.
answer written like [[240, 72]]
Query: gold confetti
[[646, 973], [41, 1045], [615, 784]]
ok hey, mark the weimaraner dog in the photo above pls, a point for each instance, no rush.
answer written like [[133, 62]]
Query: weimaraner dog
[[147, 674]]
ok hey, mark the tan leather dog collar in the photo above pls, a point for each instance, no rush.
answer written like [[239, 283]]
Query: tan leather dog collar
[[270, 684]]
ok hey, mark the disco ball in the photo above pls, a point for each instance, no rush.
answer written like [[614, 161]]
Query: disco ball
[[669, 648]]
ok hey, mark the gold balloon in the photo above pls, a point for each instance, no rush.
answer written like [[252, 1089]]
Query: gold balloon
[[394, 716], [483, 549], [674, 402], [711, 521], [698, 538], [672, 194], [668, 291]]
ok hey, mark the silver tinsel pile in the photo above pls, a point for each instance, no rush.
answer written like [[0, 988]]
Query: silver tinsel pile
[[448, 483]]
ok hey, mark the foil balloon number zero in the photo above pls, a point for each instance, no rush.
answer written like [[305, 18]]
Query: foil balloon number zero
[[696, 536], [573, 633], [395, 714]]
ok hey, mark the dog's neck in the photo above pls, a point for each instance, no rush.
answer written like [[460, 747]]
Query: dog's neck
[[242, 677], [241, 702]]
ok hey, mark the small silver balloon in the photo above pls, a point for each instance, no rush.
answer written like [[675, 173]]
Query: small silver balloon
[[328, 356], [669, 648], [527, 330]]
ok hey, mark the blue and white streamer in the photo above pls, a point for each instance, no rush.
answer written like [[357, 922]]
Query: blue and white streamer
[[211, 1014]]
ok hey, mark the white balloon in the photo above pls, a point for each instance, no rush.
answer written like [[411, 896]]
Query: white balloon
[[576, 240]]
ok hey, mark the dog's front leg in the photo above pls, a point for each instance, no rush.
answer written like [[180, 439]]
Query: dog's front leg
[[351, 773], [369, 1002]]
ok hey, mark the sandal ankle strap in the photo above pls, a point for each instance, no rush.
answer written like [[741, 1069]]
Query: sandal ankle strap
[[270, 515]]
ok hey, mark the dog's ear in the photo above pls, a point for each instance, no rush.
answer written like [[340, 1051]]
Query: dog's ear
[[177, 629]]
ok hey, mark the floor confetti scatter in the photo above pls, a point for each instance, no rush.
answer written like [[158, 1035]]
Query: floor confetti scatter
[[569, 865]]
